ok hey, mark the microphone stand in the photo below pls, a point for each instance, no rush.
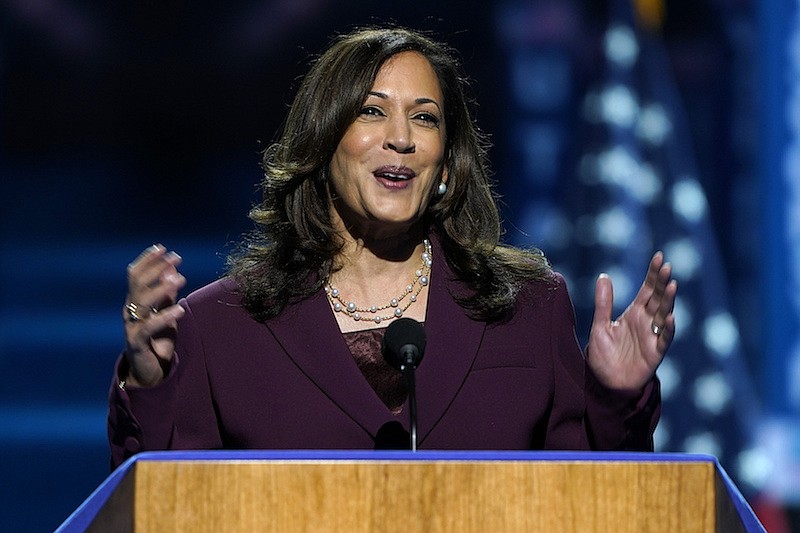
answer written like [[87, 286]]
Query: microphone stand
[[402, 346], [408, 372]]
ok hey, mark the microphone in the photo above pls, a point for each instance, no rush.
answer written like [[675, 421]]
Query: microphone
[[403, 346]]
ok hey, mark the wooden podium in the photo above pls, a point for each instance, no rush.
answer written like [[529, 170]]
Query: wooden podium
[[360, 491]]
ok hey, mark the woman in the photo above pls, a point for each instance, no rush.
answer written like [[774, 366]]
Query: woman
[[377, 205]]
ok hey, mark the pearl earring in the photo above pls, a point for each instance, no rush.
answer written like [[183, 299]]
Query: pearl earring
[[442, 188]]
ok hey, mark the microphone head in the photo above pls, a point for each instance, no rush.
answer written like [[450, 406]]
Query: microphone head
[[404, 343]]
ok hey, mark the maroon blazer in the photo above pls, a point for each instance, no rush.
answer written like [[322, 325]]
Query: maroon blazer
[[292, 383]]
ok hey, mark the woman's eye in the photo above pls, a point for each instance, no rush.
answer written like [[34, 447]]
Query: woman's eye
[[428, 118], [371, 111]]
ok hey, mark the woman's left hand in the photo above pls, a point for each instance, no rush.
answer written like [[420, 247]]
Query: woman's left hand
[[623, 354]]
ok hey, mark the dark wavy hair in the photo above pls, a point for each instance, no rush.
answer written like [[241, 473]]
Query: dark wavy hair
[[289, 255]]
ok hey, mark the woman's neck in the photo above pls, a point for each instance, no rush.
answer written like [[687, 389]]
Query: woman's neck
[[373, 272]]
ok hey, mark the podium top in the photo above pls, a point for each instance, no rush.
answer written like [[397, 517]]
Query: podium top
[[85, 514]]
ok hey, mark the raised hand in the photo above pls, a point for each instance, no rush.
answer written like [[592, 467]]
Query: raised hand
[[151, 314], [623, 354]]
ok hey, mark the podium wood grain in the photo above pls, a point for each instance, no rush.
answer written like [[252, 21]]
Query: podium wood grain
[[429, 496]]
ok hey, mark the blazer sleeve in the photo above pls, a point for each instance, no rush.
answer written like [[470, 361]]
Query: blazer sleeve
[[620, 421], [609, 419], [177, 413]]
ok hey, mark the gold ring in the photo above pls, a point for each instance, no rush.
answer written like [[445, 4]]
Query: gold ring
[[133, 312]]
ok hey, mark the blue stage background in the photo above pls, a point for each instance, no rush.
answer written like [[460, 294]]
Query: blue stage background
[[619, 128]]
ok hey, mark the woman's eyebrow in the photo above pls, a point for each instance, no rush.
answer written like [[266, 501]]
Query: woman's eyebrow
[[421, 100]]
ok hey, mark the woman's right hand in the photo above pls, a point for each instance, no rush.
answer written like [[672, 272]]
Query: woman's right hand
[[151, 315]]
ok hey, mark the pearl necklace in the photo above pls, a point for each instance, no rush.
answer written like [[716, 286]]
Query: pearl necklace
[[412, 290]]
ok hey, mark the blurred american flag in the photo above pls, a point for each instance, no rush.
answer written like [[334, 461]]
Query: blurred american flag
[[629, 188]]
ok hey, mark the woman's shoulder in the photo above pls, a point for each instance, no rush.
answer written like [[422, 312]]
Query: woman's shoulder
[[548, 286], [223, 291], [540, 300]]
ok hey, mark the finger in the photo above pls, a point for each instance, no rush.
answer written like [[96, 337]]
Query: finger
[[140, 332], [165, 319], [666, 336], [149, 353], [162, 294], [139, 306], [603, 301], [658, 275], [170, 285], [666, 304], [154, 282], [154, 257], [147, 273], [154, 277], [654, 303], [147, 257], [650, 280], [656, 263]]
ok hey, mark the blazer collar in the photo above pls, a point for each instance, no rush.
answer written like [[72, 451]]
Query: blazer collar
[[308, 333]]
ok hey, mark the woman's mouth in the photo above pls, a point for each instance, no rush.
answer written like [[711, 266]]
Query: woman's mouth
[[393, 177]]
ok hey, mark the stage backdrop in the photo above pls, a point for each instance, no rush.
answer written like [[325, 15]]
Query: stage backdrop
[[619, 127]]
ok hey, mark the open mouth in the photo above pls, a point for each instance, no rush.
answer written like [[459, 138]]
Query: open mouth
[[394, 174], [393, 177]]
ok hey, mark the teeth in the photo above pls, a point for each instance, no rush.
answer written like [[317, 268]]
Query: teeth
[[394, 176]]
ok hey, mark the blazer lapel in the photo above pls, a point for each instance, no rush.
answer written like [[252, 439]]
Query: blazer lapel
[[453, 340], [308, 333]]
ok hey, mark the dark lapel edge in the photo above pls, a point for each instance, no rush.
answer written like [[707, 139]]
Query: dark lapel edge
[[453, 343], [308, 333]]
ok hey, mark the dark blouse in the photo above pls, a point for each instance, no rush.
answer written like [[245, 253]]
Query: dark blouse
[[386, 380]]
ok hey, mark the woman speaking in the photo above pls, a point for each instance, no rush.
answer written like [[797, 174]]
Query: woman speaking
[[377, 205]]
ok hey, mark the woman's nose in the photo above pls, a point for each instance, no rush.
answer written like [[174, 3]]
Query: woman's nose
[[399, 137]]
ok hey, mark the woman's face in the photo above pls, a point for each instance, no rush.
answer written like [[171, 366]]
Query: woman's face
[[389, 161]]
